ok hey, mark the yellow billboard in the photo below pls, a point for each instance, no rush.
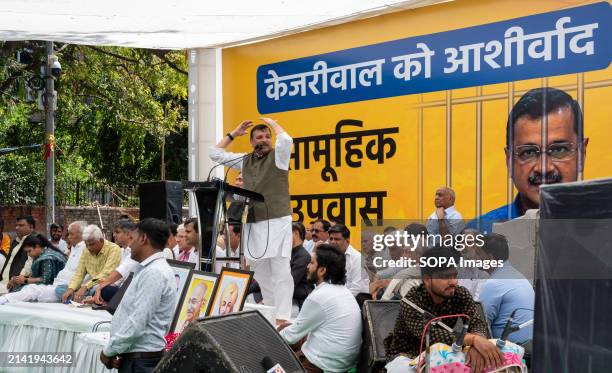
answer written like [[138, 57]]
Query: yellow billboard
[[384, 151]]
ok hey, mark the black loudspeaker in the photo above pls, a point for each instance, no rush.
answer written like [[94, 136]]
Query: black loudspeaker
[[231, 343], [573, 310], [161, 200], [379, 318]]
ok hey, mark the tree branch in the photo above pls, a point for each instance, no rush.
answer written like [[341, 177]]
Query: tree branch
[[115, 55], [162, 55]]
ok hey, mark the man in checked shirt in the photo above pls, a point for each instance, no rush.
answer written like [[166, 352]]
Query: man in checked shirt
[[144, 315], [440, 295]]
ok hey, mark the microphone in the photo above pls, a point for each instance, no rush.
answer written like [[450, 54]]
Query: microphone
[[427, 315], [501, 342], [523, 325], [459, 331], [270, 367], [237, 159], [254, 152]]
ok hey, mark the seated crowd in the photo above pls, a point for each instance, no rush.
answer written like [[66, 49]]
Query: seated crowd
[[37, 269], [331, 281]]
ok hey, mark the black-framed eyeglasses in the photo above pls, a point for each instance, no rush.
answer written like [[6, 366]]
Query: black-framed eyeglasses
[[315, 230], [558, 152]]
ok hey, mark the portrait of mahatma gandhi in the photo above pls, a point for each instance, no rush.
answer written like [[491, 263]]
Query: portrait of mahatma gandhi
[[195, 301], [230, 292], [229, 297]]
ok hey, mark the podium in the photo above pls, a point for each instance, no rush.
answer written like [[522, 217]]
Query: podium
[[210, 197]]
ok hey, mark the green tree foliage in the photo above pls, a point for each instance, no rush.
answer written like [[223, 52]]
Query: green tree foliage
[[116, 108]]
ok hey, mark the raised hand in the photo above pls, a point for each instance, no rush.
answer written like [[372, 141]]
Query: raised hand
[[242, 128]]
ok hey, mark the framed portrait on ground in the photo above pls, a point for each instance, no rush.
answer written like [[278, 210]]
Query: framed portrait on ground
[[231, 291], [182, 270], [195, 299]]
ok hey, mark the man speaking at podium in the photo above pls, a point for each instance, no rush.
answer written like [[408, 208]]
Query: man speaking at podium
[[267, 236]]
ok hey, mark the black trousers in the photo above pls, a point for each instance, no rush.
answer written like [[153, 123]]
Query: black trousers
[[139, 365]]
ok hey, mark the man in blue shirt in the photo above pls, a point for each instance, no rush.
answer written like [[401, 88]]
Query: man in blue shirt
[[565, 150], [506, 291], [144, 315]]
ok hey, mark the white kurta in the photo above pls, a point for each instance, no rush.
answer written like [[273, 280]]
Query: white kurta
[[220, 253], [5, 274], [357, 280], [276, 232], [267, 243]]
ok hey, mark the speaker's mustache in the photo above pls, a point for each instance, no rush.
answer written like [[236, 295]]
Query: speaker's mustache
[[551, 178]]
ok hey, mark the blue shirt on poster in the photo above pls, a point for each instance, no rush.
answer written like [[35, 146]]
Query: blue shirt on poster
[[484, 223]]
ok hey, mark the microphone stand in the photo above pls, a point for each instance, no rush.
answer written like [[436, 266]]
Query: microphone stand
[[243, 222], [241, 261], [459, 331], [509, 329]]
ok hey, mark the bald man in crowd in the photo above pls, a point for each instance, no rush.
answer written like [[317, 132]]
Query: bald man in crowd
[[446, 219]]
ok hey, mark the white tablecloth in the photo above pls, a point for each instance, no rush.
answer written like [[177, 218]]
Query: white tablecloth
[[88, 347], [46, 327], [54, 327]]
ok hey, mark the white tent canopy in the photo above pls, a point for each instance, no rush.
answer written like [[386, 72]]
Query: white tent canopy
[[179, 24]]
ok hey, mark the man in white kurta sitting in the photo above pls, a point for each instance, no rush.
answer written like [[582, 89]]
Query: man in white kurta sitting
[[50, 293], [268, 232], [330, 318]]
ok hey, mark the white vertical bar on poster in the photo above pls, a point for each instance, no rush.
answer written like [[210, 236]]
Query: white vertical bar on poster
[[580, 99], [449, 138], [510, 158], [544, 132], [421, 144], [478, 153]]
